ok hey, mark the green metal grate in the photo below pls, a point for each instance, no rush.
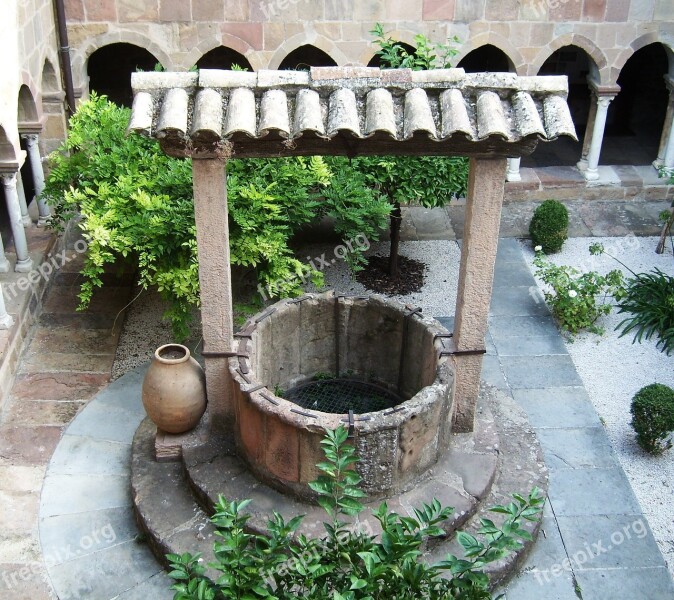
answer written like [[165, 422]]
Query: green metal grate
[[339, 396]]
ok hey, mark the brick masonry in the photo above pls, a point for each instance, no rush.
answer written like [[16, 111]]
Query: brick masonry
[[267, 30]]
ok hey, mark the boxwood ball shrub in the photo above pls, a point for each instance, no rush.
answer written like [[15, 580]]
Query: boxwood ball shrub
[[549, 227], [653, 417]]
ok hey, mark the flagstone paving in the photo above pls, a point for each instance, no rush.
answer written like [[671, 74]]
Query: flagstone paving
[[85, 536], [594, 542], [67, 363]]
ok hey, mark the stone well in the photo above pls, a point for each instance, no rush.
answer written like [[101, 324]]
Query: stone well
[[385, 355]]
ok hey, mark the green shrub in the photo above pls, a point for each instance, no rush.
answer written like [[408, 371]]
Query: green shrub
[[649, 298], [576, 298], [137, 203], [653, 417], [549, 226], [346, 563]]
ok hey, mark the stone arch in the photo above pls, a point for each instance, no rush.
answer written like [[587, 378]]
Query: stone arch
[[53, 107], [88, 47], [305, 57], [515, 58], [639, 43], [637, 117], [403, 36], [27, 108], [490, 55], [7, 150], [599, 70], [110, 69], [308, 38], [50, 79], [229, 41], [223, 57]]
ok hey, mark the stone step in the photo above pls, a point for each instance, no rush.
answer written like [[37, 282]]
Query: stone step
[[521, 468], [165, 508], [173, 500]]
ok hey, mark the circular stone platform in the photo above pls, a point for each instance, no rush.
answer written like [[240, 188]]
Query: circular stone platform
[[502, 456]]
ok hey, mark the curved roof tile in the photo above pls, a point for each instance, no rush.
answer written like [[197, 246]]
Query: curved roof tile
[[373, 110]]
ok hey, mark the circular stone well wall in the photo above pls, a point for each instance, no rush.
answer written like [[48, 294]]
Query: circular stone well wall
[[367, 341]]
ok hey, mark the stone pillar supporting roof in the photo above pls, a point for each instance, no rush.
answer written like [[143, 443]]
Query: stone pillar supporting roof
[[349, 111]]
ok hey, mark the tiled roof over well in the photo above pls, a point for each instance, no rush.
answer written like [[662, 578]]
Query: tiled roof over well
[[349, 110]]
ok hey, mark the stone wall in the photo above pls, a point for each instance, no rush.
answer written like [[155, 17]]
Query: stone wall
[[179, 32], [27, 44]]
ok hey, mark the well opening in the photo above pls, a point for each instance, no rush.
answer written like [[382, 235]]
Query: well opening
[[365, 362], [342, 395]]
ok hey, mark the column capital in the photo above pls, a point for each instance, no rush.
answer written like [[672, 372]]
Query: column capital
[[31, 139], [604, 101], [599, 90], [8, 180]]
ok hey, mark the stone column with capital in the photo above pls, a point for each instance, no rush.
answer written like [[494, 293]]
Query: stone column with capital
[[592, 171], [513, 172], [24, 264], [667, 139], [25, 217], [33, 148], [4, 263], [587, 138]]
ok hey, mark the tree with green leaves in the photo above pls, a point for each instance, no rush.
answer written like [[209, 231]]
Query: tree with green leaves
[[429, 181]]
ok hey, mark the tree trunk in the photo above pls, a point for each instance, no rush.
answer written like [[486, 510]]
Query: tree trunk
[[666, 228], [396, 222]]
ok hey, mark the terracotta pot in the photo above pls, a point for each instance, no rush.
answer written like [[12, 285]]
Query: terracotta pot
[[174, 389]]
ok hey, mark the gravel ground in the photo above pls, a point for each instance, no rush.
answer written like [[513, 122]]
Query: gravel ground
[[437, 297], [613, 370], [144, 330], [602, 361]]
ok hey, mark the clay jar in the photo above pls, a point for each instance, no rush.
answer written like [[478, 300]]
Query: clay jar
[[174, 389]]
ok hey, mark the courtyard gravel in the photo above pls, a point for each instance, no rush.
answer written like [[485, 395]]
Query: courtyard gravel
[[613, 369]]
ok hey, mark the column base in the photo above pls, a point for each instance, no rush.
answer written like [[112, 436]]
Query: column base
[[591, 174], [43, 221], [4, 266], [6, 321], [513, 177], [27, 221], [658, 163], [582, 164], [24, 266]]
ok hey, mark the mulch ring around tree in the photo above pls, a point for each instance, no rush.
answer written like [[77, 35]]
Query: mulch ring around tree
[[375, 276]]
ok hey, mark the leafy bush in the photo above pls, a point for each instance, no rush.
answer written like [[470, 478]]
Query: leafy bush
[[136, 203], [649, 297], [574, 294], [653, 417], [348, 564], [549, 226]]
